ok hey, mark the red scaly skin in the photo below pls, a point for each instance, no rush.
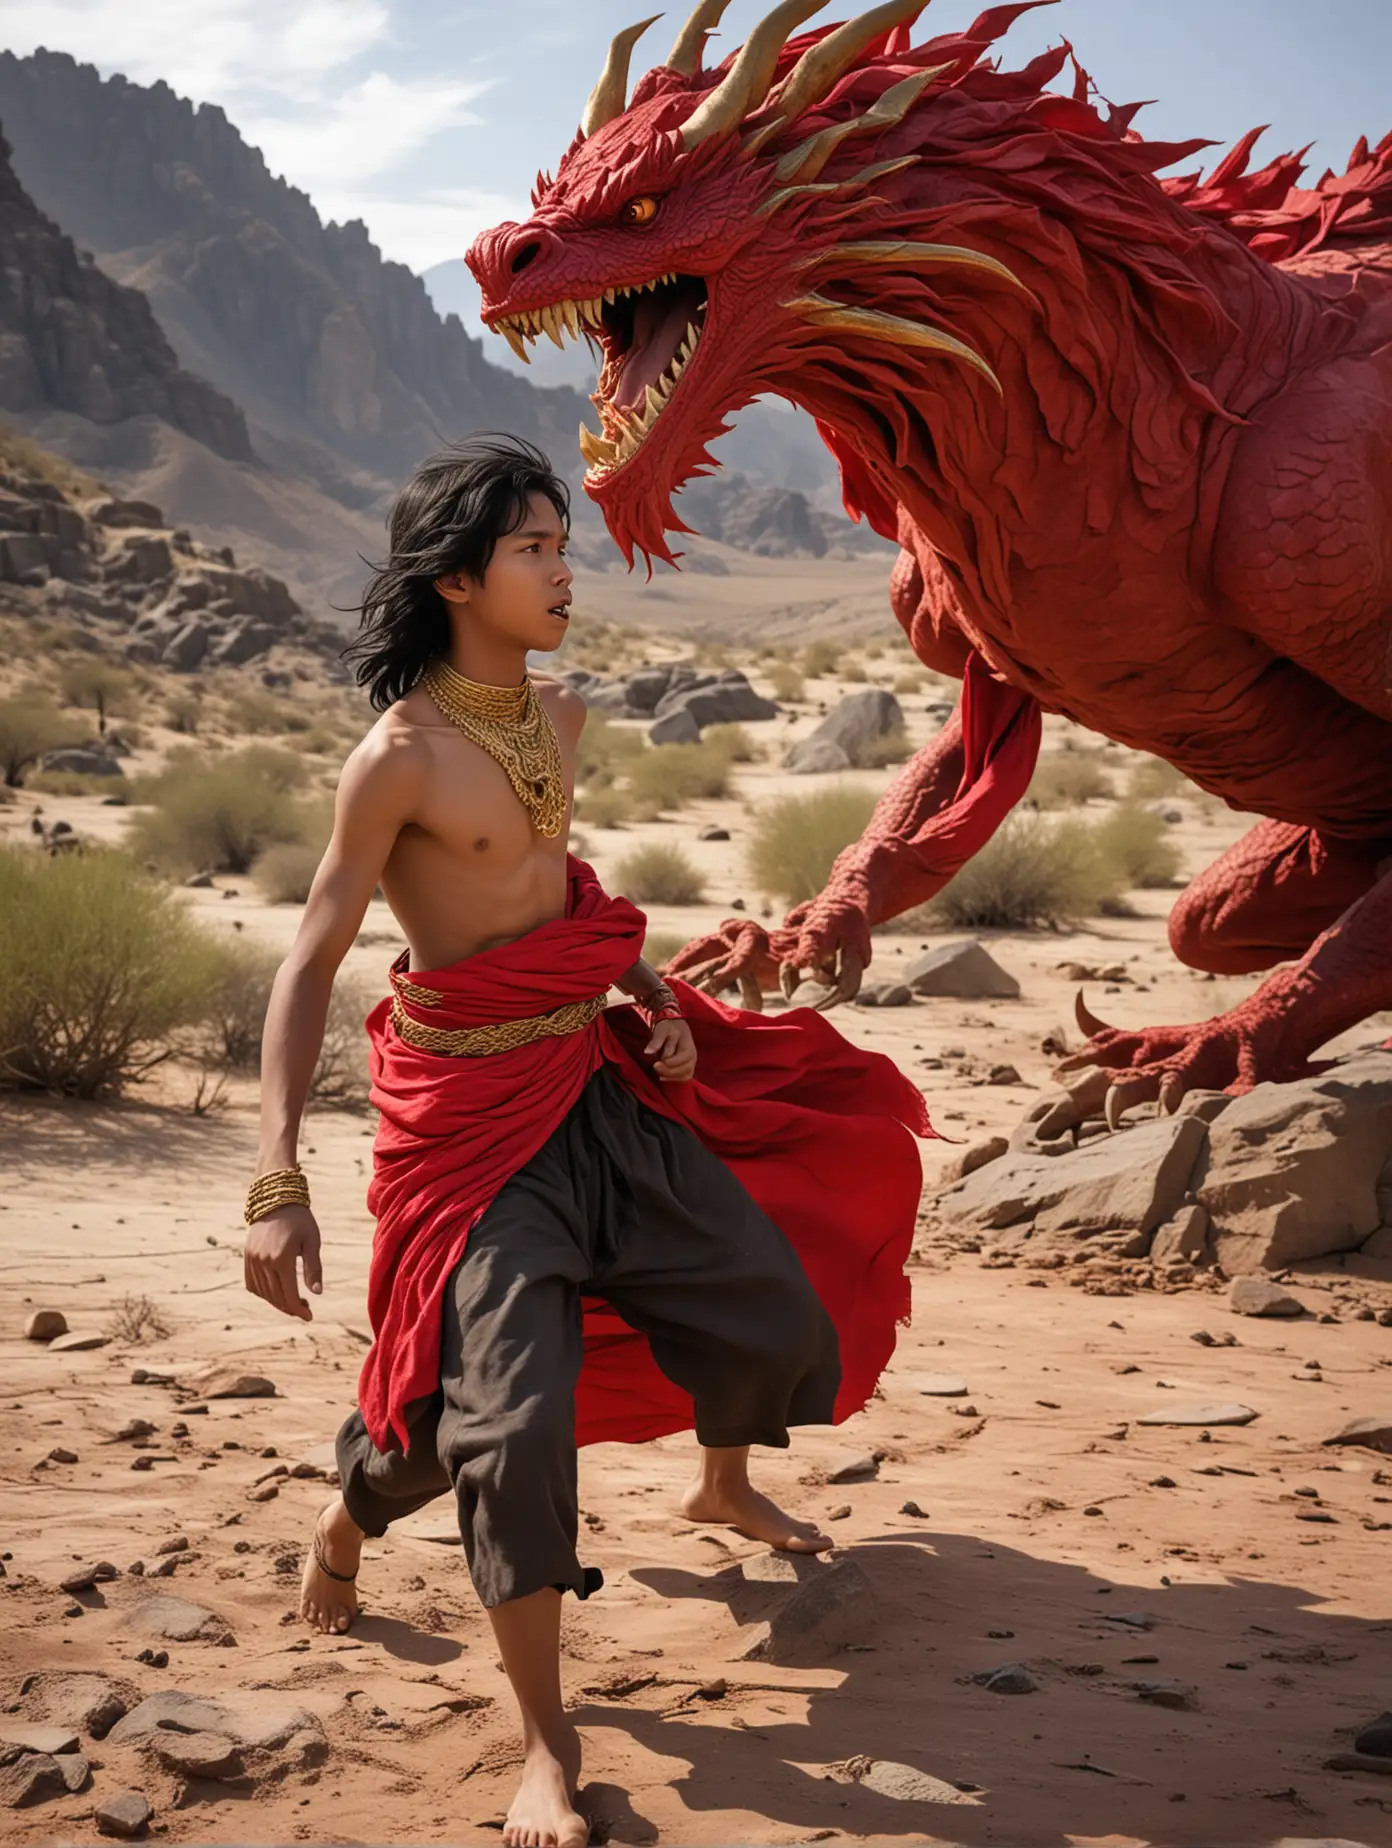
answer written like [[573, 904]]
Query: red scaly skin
[[1171, 523]]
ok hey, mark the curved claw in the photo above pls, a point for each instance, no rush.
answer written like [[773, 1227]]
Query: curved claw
[[788, 978], [846, 987], [1172, 1089], [1115, 1106], [751, 995], [1087, 1020]]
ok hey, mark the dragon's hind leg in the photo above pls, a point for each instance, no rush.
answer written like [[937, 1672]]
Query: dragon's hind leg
[[1281, 892]]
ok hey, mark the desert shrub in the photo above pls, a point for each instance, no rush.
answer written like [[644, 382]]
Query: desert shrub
[[1069, 777], [605, 808], [285, 873], [796, 839], [31, 724], [909, 683], [820, 658], [98, 686], [103, 972], [182, 711], [660, 946], [73, 783], [135, 1320], [658, 875], [603, 751], [252, 710], [240, 992], [667, 775], [1031, 872], [342, 1075], [892, 747], [787, 682], [715, 655], [733, 743], [222, 815], [1153, 777], [854, 671], [1136, 841]]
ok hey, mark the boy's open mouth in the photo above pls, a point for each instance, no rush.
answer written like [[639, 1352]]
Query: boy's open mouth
[[644, 337]]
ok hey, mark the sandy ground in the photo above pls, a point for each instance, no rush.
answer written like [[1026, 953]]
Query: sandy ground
[[1042, 1520]]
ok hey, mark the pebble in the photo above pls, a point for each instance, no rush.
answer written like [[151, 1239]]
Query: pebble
[[1260, 1296], [942, 1386], [1220, 1414], [179, 1544], [229, 1383], [1010, 1678], [132, 1429], [1371, 1433], [87, 1576], [840, 1514], [856, 1469], [76, 1344], [60, 1455], [1376, 1737], [45, 1325], [713, 833], [912, 1508], [1162, 1482], [1177, 1694], [124, 1813]]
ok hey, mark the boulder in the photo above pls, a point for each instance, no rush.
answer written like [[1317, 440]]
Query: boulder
[[33, 1777], [124, 1814], [44, 1324], [124, 513], [677, 727], [816, 757], [855, 723], [88, 1702], [186, 648], [1181, 1238], [142, 558], [964, 971], [1125, 1184], [1292, 1170], [607, 696], [48, 1739], [976, 1155], [81, 762], [1370, 1433], [643, 689], [246, 638], [728, 699], [22, 555], [1259, 1296]]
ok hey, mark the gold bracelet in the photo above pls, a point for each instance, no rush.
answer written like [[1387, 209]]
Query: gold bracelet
[[281, 1187]]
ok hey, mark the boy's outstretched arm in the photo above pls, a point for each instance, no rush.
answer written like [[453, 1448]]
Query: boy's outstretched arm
[[377, 795]]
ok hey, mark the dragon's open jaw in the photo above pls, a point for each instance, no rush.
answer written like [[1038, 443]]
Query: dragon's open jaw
[[645, 335]]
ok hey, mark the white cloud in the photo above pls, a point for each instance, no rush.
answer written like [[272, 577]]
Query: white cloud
[[426, 229], [359, 132]]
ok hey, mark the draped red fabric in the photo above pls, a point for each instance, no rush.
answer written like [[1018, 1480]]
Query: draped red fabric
[[819, 1132]]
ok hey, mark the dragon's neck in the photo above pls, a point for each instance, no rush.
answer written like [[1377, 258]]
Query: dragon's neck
[[1115, 380]]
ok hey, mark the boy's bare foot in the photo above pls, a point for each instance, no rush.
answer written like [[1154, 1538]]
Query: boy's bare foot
[[739, 1504], [328, 1595], [543, 1813]]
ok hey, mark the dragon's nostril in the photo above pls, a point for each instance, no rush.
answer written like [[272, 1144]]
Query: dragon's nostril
[[527, 254]]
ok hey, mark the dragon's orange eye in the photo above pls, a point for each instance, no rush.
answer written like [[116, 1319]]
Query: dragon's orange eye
[[640, 211]]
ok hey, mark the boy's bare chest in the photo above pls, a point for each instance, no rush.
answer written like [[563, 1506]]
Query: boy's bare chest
[[472, 810]]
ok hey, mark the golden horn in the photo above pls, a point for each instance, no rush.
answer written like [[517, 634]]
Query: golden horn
[[863, 178], [807, 159], [746, 84], [904, 255], [819, 69], [841, 318], [685, 55], [609, 98], [1087, 1020]]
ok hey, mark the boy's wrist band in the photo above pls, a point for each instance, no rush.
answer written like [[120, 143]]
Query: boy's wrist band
[[280, 1187]]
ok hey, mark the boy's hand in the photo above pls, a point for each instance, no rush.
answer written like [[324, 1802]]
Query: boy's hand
[[674, 1050], [268, 1259]]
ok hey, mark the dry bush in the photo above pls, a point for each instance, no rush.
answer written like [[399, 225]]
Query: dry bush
[[224, 814], [667, 775], [660, 946], [1066, 778], [285, 873], [230, 1037], [98, 686], [733, 742], [716, 655], [853, 671], [249, 709], [1137, 841], [1031, 872], [342, 1075], [910, 683], [74, 783], [787, 683], [1152, 777], [183, 710], [135, 1320], [605, 808], [103, 974], [820, 658], [31, 724], [892, 747], [796, 839], [658, 875], [603, 752]]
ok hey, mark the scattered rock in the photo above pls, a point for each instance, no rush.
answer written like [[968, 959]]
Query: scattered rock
[[961, 971], [198, 1754], [88, 1702], [809, 994], [912, 1509], [1375, 1740], [60, 1455], [830, 1608], [76, 1343], [1165, 1693], [909, 1785], [885, 994], [173, 1620], [1219, 1414], [857, 1469], [942, 1386], [1259, 1296], [1010, 1678], [1184, 1235], [81, 762], [725, 698], [1371, 1433], [229, 1383], [45, 1324], [713, 833], [124, 1813], [49, 1740], [257, 1727], [841, 1513], [816, 757], [1003, 1074], [33, 1778], [132, 1429], [678, 727], [100, 1573], [853, 725]]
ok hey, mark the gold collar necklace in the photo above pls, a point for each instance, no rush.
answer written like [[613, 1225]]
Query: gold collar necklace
[[515, 729]]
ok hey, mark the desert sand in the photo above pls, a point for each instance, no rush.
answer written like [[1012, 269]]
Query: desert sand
[[1026, 1519]]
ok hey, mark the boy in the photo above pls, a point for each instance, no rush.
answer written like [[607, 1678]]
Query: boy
[[561, 1253]]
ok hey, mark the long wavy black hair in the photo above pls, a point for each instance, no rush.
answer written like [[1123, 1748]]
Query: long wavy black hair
[[449, 517]]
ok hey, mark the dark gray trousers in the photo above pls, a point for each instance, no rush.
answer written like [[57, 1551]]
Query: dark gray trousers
[[621, 1204]]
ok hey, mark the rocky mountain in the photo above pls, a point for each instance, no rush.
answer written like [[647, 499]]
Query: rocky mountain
[[772, 522], [73, 340], [327, 346]]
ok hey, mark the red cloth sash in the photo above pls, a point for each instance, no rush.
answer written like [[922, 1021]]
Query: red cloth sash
[[820, 1133]]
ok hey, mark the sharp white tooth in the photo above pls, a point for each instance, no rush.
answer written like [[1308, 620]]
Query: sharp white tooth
[[652, 403], [551, 322], [678, 367], [515, 341], [609, 297], [598, 451], [572, 317], [591, 312]]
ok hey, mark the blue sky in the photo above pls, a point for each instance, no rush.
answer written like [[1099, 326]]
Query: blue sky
[[429, 118]]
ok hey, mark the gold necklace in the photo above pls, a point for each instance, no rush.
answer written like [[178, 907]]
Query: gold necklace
[[515, 729]]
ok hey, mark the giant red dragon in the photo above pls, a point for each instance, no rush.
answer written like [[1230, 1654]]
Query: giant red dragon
[[1132, 434]]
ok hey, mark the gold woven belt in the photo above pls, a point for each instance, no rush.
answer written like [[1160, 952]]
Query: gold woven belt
[[505, 1036]]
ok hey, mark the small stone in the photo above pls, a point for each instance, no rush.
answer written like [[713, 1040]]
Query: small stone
[[230, 1383], [942, 1386], [132, 1429], [179, 1544], [87, 1576], [1219, 1414], [1162, 1482], [45, 1325], [1010, 1678], [976, 1155], [60, 1455], [1003, 1074], [76, 1344], [1260, 1296], [124, 1813], [907, 1784], [199, 1754], [839, 1514], [75, 1772], [832, 1606], [1371, 1433], [1164, 1693], [171, 1619], [961, 971], [198, 882], [1385, 1318], [857, 1469], [32, 1778], [810, 994], [713, 833], [912, 1508], [1376, 1737], [266, 1493]]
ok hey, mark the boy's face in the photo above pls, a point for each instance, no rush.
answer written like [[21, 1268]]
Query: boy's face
[[524, 594]]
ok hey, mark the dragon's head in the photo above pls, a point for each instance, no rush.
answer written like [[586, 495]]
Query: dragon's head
[[724, 233]]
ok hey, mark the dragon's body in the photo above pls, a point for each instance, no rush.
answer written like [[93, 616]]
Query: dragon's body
[[1134, 438]]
